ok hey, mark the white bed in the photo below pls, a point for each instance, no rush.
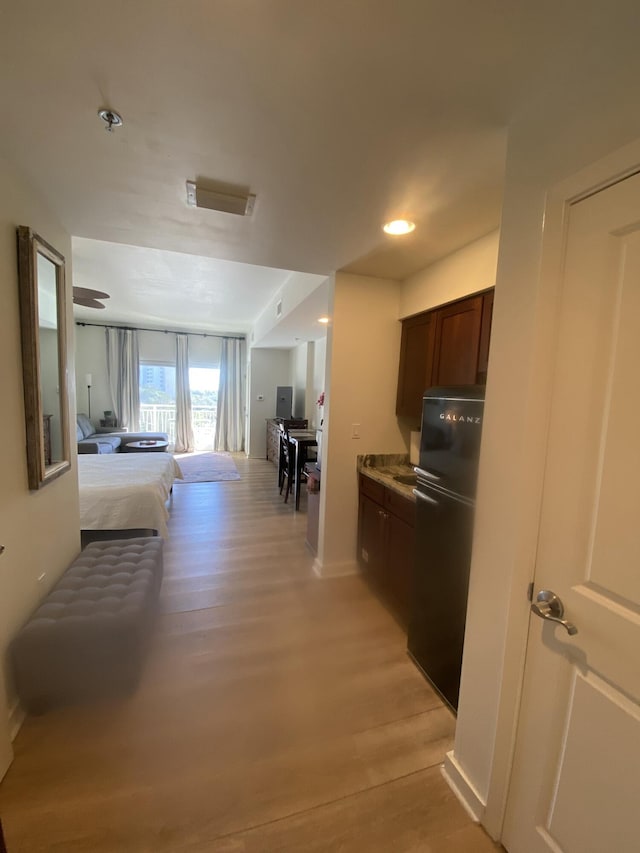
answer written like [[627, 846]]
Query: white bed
[[121, 491]]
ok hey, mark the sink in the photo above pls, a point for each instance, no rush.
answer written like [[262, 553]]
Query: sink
[[406, 479]]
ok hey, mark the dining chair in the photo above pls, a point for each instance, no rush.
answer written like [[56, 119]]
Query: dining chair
[[286, 466]]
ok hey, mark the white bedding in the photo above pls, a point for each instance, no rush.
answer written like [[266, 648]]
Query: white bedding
[[126, 490]]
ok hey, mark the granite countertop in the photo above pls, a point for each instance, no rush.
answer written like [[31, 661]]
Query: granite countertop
[[383, 467]]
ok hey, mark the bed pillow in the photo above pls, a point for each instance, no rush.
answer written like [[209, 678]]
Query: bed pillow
[[79, 433], [85, 425]]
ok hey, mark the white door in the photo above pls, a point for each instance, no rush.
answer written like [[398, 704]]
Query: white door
[[575, 786]]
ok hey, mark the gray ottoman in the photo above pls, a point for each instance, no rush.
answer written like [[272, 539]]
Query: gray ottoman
[[88, 636]]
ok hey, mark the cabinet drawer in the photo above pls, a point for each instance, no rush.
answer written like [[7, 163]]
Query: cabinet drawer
[[404, 508], [372, 489]]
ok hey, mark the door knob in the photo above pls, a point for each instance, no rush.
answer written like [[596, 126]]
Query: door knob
[[548, 606]]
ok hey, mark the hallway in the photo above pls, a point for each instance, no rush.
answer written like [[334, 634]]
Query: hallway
[[276, 713]]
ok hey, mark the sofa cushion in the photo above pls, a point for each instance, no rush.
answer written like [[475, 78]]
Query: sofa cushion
[[79, 433], [85, 425], [99, 444]]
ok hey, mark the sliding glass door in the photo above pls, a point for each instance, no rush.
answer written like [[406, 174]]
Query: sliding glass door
[[204, 405], [158, 401]]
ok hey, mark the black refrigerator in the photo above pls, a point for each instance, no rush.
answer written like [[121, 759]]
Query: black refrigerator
[[445, 496]]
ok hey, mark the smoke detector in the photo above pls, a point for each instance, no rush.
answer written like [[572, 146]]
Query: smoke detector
[[240, 204]]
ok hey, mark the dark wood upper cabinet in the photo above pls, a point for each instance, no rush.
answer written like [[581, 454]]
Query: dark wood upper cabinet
[[485, 337], [457, 340], [416, 363], [445, 346]]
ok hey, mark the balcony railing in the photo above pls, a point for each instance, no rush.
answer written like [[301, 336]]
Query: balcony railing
[[162, 418]]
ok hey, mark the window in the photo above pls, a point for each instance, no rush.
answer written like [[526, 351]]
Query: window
[[158, 401], [204, 405], [158, 383]]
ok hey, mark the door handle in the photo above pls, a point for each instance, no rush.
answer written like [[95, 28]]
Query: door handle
[[421, 496], [548, 606]]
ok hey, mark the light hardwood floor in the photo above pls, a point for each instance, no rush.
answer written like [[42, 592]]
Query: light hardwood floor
[[277, 712]]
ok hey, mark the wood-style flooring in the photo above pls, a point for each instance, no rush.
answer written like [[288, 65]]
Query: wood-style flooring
[[277, 712]]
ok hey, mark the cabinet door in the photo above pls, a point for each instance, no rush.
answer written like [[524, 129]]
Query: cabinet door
[[399, 569], [416, 363], [457, 342], [371, 538], [485, 337]]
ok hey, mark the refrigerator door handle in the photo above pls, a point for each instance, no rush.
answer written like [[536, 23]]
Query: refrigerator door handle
[[421, 496]]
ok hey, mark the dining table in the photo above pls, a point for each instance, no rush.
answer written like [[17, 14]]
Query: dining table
[[301, 440]]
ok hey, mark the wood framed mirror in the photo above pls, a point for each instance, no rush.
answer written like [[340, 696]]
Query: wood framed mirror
[[41, 276]]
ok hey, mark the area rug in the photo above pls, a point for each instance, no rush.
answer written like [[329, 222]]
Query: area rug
[[206, 467]]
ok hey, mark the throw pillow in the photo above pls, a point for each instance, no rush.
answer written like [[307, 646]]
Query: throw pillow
[[85, 425]]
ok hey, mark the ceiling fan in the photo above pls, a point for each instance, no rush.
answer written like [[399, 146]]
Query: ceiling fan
[[88, 298]]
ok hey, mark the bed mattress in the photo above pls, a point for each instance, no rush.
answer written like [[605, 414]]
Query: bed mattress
[[120, 491]]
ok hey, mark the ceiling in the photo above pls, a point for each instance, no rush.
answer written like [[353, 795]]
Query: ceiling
[[154, 287], [338, 116]]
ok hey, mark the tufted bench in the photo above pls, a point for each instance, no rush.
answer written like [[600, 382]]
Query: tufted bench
[[88, 636]]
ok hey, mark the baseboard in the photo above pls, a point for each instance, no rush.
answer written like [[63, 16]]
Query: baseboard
[[16, 719], [335, 570], [457, 780]]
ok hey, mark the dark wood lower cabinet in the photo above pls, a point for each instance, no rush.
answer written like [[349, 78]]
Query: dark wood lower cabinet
[[386, 539]]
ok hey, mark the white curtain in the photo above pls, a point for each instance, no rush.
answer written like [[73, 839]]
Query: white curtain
[[230, 416], [184, 426], [123, 371]]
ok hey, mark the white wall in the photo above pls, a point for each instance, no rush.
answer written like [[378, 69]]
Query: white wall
[[466, 271], [268, 369], [296, 289], [155, 347], [547, 143], [362, 374], [40, 530], [91, 357], [316, 414]]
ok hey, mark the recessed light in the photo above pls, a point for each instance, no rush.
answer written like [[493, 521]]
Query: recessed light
[[323, 319], [398, 227]]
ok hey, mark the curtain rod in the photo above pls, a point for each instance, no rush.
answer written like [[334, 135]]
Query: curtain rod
[[163, 331]]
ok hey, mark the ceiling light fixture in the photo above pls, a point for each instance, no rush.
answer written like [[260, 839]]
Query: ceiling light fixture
[[324, 320], [111, 119], [241, 204], [398, 227]]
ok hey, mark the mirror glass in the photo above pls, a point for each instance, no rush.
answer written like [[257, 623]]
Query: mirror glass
[[48, 338], [42, 312]]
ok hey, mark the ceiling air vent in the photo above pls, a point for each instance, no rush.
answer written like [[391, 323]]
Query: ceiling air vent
[[241, 204], [279, 308]]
